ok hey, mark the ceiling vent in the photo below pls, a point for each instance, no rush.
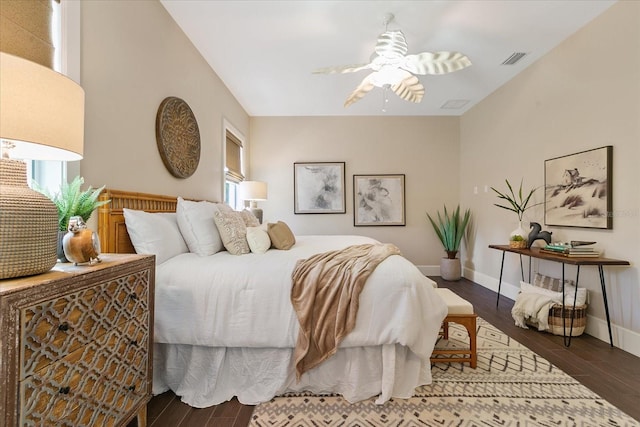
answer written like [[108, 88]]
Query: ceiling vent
[[514, 58], [454, 104]]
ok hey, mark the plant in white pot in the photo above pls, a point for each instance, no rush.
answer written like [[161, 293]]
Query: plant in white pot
[[518, 204], [450, 228]]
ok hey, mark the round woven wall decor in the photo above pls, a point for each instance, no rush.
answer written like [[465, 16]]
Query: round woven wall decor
[[178, 137]]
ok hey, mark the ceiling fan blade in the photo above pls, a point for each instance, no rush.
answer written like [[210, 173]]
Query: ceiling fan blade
[[391, 44], [342, 69], [363, 88], [409, 89], [435, 63]]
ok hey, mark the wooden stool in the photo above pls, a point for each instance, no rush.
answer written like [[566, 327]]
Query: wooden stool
[[459, 311]]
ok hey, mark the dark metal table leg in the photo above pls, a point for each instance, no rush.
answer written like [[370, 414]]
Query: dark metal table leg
[[567, 340], [500, 279], [606, 304]]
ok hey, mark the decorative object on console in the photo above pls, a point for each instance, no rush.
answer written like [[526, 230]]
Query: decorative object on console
[[318, 188], [517, 204], [378, 200], [71, 201], [394, 69], [41, 117], [178, 137], [578, 189], [81, 244], [516, 241], [450, 229], [537, 233], [254, 191]]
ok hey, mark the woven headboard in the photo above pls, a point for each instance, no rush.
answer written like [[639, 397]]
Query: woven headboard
[[112, 230]]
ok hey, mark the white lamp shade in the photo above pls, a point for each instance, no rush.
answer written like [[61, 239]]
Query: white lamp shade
[[253, 190], [41, 111]]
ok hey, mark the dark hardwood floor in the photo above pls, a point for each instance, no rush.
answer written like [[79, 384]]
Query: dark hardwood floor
[[610, 372]]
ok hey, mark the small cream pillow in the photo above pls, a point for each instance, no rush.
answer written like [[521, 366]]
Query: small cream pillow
[[250, 219], [232, 231], [258, 239], [155, 233], [197, 226], [281, 235]]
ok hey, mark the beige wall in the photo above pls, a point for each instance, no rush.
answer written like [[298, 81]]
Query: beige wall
[[133, 56], [425, 149], [584, 94]]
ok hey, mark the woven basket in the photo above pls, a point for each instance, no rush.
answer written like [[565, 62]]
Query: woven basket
[[579, 320], [518, 244], [28, 224]]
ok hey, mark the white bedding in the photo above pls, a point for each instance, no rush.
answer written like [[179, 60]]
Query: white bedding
[[222, 313]]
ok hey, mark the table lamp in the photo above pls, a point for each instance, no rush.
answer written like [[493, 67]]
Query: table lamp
[[254, 191], [41, 118]]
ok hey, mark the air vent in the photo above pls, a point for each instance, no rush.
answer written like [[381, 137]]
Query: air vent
[[454, 104], [514, 58]]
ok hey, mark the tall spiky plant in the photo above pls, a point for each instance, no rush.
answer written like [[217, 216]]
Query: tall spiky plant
[[450, 229], [71, 201]]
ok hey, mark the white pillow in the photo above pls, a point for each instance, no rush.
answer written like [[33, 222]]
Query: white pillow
[[197, 226], [258, 239], [155, 233], [569, 292]]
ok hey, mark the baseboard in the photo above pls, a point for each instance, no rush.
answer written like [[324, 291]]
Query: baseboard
[[623, 338]]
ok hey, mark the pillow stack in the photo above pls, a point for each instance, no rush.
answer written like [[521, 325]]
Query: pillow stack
[[203, 228]]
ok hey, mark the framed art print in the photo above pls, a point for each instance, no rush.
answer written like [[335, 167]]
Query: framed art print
[[318, 188], [378, 200], [577, 189]]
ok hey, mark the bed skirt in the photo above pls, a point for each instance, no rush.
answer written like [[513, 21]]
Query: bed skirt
[[207, 376]]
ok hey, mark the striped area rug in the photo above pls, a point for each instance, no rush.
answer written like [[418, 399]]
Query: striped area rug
[[512, 386]]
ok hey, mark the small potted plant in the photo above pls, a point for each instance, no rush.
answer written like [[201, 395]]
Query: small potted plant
[[518, 204], [72, 201], [450, 228]]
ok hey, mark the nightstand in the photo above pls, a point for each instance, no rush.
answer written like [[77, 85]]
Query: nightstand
[[76, 344]]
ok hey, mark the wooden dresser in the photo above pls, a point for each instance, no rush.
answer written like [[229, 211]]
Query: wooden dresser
[[76, 344]]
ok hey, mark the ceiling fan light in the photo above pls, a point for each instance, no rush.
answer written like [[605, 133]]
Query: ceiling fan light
[[388, 76]]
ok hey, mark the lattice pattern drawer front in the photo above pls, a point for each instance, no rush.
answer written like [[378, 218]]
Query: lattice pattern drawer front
[[55, 328], [93, 386]]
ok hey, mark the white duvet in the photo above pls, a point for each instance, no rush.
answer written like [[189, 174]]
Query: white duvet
[[225, 327], [227, 300]]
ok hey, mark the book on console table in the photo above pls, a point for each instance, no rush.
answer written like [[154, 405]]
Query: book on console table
[[577, 254]]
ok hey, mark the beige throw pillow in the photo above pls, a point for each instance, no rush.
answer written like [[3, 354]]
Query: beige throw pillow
[[281, 235], [551, 283], [232, 231], [250, 219]]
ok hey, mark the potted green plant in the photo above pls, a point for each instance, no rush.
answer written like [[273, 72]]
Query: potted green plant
[[518, 204], [450, 228], [72, 201]]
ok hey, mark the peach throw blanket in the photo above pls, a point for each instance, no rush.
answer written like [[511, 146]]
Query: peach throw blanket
[[325, 295]]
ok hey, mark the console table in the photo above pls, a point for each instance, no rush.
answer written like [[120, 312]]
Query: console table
[[577, 261]]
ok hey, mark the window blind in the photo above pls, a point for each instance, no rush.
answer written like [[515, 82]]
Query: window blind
[[233, 158]]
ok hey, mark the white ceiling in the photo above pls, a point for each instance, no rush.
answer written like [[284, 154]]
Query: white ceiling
[[265, 51]]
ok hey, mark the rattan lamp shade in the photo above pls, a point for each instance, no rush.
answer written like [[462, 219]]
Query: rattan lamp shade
[[41, 117]]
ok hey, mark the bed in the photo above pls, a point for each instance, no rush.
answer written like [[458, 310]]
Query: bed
[[225, 326]]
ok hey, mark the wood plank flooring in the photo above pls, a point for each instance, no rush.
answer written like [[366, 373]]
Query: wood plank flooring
[[610, 372]]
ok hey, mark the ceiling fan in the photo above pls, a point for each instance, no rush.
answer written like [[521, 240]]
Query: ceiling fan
[[394, 69]]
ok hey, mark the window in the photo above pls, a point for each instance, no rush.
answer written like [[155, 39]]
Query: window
[[233, 169]]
